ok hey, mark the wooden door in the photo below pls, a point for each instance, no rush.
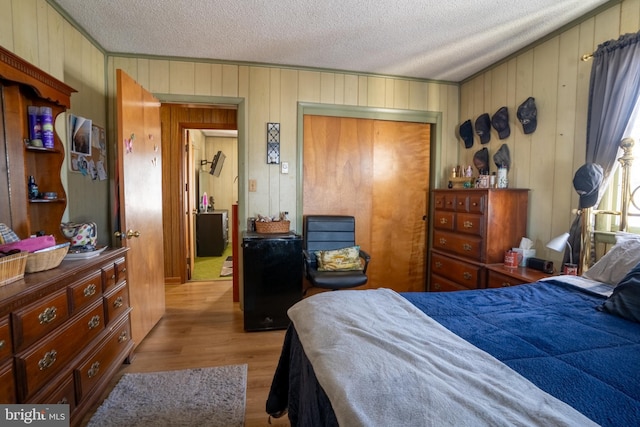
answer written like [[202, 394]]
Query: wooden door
[[140, 169], [377, 171], [191, 207]]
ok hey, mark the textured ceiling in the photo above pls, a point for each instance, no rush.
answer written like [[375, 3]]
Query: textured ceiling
[[444, 40]]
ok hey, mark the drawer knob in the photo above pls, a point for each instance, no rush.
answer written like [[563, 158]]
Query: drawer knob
[[466, 247], [437, 286], [90, 290], [63, 401], [94, 322], [467, 275], [438, 264], [113, 277], [48, 360], [123, 337], [2, 344], [443, 220], [118, 302], [93, 370], [506, 284], [48, 315], [468, 224], [443, 241]]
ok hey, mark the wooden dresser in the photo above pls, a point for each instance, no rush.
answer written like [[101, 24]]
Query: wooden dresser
[[65, 332], [473, 228]]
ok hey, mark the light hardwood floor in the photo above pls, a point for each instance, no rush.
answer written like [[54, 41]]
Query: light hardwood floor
[[204, 327]]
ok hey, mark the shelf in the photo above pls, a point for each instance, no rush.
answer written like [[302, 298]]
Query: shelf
[[47, 200], [42, 149]]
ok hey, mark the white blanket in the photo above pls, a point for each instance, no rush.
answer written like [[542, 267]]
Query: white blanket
[[383, 362]]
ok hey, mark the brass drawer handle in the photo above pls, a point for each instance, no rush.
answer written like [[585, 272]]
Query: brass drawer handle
[[113, 277], [443, 241], [467, 275], [48, 360], [467, 247], [468, 224], [94, 322], [438, 264], [123, 337], [437, 286], [505, 284], [93, 370], [63, 401], [90, 290], [2, 344], [118, 303], [124, 270], [48, 315], [443, 220]]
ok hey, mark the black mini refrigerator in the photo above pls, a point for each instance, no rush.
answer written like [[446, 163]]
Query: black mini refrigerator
[[272, 269]]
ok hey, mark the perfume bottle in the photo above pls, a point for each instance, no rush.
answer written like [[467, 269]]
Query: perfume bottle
[[32, 188]]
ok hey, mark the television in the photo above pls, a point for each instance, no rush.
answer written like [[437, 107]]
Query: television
[[216, 163]]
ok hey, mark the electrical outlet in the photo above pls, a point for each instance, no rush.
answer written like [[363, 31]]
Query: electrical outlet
[[253, 185]]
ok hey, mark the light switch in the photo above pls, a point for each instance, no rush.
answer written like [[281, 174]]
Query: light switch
[[253, 185], [285, 167]]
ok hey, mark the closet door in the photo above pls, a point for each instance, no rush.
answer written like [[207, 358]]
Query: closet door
[[377, 171]]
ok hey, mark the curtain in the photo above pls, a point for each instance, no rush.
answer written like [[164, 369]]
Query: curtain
[[614, 89]]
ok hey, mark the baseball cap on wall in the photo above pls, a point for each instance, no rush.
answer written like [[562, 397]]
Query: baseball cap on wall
[[528, 115], [500, 122], [466, 133], [483, 128], [586, 182]]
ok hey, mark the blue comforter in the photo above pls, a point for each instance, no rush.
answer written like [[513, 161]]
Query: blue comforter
[[552, 334]]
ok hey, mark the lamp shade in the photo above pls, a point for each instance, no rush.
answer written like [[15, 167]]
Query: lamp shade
[[558, 243]]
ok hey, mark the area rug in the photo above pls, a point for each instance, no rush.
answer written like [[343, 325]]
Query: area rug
[[193, 397], [227, 267]]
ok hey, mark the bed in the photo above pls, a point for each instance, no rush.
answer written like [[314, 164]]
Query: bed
[[564, 351]]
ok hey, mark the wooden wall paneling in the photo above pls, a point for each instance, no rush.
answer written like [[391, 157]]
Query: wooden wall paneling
[[630, 16], [232, 80], [202, 79]]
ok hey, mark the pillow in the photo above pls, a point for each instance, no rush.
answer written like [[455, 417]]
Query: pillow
[[616, 263], [625, 299], [343, 259]]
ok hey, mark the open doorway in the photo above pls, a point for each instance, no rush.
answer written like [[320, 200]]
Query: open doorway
[[213, 190]]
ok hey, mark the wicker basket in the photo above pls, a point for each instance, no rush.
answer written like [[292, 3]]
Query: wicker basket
[[272, 227], [12, 267], [46, 260]]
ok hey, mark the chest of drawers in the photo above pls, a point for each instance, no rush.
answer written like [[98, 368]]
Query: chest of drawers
[[65, 332], [473, 228]]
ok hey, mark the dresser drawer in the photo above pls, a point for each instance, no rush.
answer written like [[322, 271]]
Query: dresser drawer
[[466, 275], [6, 343], [7, 383], [440, 284], [60, 391], [85, 291], [92, 369], [45, 359], [39, 319], [465, 245], [114, 274], [469, 223], [498, 280], [445, 220], [116, 302]]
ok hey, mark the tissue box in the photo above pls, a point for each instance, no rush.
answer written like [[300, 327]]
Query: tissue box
[[526, 253]]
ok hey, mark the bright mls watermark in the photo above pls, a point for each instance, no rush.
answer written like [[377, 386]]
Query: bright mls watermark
[[34, 415]]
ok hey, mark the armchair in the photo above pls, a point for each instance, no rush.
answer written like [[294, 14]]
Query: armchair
[[328, 233]]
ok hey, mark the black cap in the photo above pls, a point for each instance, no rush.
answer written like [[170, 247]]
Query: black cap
[[503, 157], [587, 182], [466, 133], [500, 122], [481, 161], [483, 128], [528, 115]]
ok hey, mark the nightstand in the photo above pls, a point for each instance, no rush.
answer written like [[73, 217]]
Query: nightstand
[[499, 276]]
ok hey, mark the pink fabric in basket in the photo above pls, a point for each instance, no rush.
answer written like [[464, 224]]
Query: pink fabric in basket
[[30, 245]]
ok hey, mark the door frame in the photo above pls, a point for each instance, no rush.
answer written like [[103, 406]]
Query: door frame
[[200, 101], [434, 118]]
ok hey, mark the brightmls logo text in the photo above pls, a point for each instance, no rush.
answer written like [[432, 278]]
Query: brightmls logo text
[[35, 415]]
